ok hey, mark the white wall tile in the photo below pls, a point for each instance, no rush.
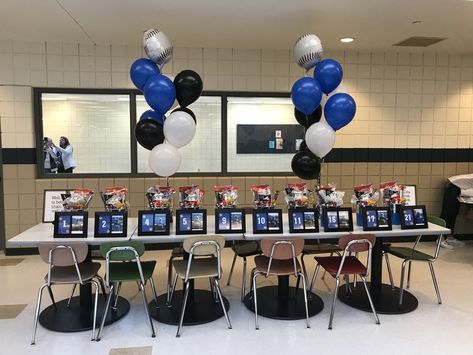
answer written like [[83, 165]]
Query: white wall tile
[[70, 49]]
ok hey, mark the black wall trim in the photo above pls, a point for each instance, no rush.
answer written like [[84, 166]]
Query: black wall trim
[[337, 155], [19, 155]]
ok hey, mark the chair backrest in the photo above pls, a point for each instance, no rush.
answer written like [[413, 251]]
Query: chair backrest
[[356, 247], [437, 220], [205, 249], [282, 251], [61, 254], [122, 255]]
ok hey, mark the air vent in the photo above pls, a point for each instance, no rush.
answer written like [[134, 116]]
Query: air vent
[[419, 41]]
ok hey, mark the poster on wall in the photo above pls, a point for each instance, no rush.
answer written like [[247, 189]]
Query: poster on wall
[[52, 204], [269, 139], [409, 193]]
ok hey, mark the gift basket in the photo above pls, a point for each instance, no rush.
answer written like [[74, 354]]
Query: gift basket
[[363, 195], [77, 200], [392, 196], [114, 198], [160, 197], [190, 197], [297, 196], [329, 197], [226, 196], [262, 196]]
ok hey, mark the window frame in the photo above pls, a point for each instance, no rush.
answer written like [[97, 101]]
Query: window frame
[[132, 93]]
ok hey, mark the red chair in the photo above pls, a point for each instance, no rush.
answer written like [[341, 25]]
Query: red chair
[[279, 259], [348, 265]]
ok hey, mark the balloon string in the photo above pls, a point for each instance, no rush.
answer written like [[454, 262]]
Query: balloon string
[[167, 181]]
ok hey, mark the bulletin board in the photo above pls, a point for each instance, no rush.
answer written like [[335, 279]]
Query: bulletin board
[[269, 139]]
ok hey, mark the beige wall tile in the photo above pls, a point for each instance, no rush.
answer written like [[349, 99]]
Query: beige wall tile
[[449, 169], [10, 171], [42, 184], [59, 184], [424, 182], [425, 168], [208, 183], [27, 171], [27, 201], [347, 169], [11, 230], [437, 182], [91, 184], [347, 183], [334, 169], [10, 187], [137, 185], [361, 168], [12, 217], [267, 180], [26, 186], [104, 183], [387, 169], [250, 181], [399, 169], [412, 169], [196, 181], [463, 168], [27, 217], [437, 168], [11, 202], [224, 180], [374, 168], [123, 182], [239, 182]]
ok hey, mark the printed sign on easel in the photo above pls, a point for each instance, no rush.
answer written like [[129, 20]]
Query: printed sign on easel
[[52, 204]]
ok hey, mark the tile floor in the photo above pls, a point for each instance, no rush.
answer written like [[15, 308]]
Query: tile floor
[[431, 329]]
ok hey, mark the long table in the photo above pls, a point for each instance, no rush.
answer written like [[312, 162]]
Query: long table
[[384, 297]]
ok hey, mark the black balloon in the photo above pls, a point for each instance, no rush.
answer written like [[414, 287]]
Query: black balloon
[[188, 87], [149, 133], [306, 165], [309, 120], [185, 109]]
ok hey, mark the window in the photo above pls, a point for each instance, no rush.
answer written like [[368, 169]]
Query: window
[[97, 127]]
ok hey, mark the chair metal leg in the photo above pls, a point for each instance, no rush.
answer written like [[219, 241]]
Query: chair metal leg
[[231, 269], [434, 279], [145, 302], [94, 324], [390, 273], [304, 284], [347, 284], [332, 311], [251, 282], [153, 289], [408, 284], [401, 287], [36, 315], [171, 295], [298, 283], [312, 282], [102, 286], [243, 280], [105, 312], [304, 270], [325, 271], [114, 307], [72, 295], [255, 275], [370, 300], [169, 285], [52, 296], [183, 310], [219, 293], [355, 278], [212, 290]]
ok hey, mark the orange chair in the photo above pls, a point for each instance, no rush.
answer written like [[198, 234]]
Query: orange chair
[[348, 265], [279, 259]]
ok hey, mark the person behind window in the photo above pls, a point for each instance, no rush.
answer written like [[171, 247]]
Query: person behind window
[[65, 148], [51, 156]]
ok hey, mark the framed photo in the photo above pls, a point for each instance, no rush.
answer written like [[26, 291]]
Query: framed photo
[[413, 217], [303, 220], [70, 224], [111, 224], [267, 221], [52, 203], [409, 193], [338, 219], [154, 222], [191, 221], [376, 218], [230, 220]]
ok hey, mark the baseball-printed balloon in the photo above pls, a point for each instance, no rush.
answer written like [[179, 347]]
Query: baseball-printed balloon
[[308, 51], [157, 46]]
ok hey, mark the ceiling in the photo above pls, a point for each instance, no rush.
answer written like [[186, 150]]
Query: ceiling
[[376, 24]]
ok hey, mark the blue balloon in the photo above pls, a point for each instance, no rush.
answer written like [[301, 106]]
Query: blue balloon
[[141, 70], [306, 95], [153, 115], [160, 93], [339, 110], [329, 74]]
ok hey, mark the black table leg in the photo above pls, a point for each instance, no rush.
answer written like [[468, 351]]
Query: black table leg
[[79, 316], [385, 298], [283, 301]]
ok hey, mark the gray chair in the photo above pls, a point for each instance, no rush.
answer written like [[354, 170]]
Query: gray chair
[[202, 267], [66, 266]]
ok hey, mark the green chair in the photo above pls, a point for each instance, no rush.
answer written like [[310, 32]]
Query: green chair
[[412, 254], [202, 267], [123, 264]]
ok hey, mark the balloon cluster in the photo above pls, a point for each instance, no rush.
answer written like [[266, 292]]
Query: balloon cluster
[[154, 131], [306, 94]]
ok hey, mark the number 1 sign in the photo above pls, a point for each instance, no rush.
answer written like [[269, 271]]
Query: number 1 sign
[[303, 220]]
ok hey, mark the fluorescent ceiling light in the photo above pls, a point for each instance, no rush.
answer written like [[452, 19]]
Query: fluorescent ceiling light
[[347, 39]]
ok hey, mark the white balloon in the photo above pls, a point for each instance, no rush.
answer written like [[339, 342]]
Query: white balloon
[[179, 128], [308, 51], [320, 139], [157, 46], [164, 160]]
